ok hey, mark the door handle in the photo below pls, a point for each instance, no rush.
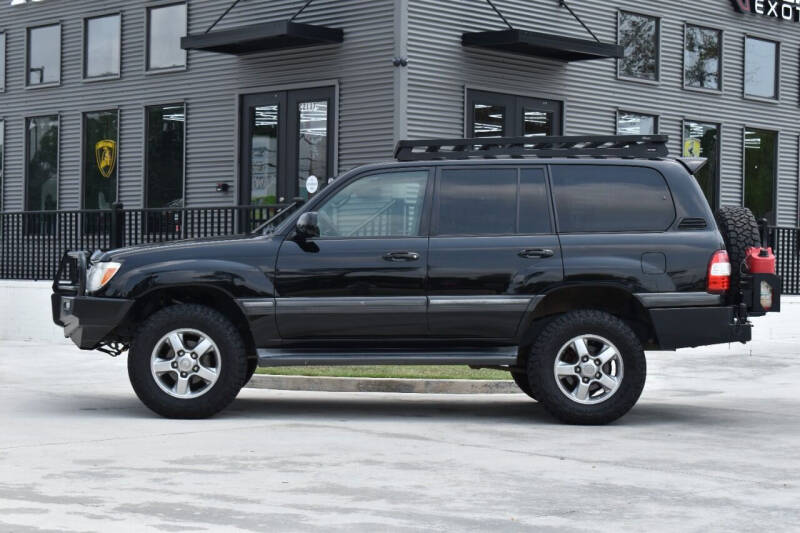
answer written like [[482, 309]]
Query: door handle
[[401, 256], [536, 252]]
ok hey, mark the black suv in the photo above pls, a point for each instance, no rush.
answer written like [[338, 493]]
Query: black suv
[[560, 260]]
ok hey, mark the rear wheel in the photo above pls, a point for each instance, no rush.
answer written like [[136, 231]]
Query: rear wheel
[[740, 231], [187, 361], [587, 367]]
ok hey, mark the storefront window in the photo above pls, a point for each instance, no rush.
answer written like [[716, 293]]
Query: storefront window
[[636, 123], [42, 163], [165, 155], [639, 37], [702, 140], [760, 68], [488, 120], [44, 55], [100, 159], [165, 27], [312, 143], [264, 155], [702, 59], [102, 47], [760, 165]]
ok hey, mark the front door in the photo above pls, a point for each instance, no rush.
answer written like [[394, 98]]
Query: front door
[[504, 115], [286, 138], [364, 276]]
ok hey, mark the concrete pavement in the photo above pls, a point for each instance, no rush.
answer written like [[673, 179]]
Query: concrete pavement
[[712, 445]]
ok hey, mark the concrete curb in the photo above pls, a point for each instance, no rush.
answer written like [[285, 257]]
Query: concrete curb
[[411, 386]]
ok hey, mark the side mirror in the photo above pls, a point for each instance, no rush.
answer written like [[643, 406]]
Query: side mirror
[[307, 226]]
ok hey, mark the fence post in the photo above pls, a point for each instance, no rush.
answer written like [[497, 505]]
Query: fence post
[[117, 226]]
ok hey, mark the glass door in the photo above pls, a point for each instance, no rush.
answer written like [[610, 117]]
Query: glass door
[[504, 115]]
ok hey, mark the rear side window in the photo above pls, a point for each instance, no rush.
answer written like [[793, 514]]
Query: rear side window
[[593, 199], [492, 201]]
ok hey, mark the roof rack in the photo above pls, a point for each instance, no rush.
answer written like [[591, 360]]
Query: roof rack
[[617, 146]]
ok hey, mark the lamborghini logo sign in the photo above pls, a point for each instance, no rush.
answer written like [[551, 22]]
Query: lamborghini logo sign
[[106, 153]]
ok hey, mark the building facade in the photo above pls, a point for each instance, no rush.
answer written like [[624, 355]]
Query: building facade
[[160, 104]]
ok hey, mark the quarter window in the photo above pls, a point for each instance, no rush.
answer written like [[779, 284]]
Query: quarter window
[[100, 159], [44, 55], [636, 123], [702, 140], [165, 155], [760, 165], [761, 68], [165, 28], [42, 163], [610, 199], [702, 58], [639, 37], [381, 205], [102, 55]]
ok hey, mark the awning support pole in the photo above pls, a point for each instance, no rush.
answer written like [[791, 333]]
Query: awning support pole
[[563, 3], [499, 14], [308, 3], [230, 8]]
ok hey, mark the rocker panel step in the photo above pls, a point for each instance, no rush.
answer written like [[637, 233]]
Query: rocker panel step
[[294, 357]]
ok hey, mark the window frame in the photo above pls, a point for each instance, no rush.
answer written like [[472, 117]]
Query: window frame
[[147, 43], [775, 173], [717, 158], [425, 217], [437, 197], [656, 122], [767, 99], [721, 33], [145, 168], [28, 30], [26, 152], [3, 60], [85, 44], [83, 150], [659, 40]]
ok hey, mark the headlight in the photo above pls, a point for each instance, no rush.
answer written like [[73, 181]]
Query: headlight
[[99, 275]]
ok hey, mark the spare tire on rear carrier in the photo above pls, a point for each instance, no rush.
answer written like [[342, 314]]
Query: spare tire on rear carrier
[[740, 231]]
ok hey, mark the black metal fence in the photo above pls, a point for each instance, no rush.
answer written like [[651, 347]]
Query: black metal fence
[[32, 242]]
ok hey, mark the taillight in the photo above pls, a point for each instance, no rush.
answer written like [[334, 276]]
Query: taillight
[[719, 272]]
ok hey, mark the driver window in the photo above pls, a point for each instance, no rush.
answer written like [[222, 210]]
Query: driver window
[[379, 205]]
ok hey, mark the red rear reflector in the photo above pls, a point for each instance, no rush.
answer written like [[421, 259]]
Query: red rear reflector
[[719, 272]]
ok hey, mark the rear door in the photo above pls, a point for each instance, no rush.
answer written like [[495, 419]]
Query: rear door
[[493, 250]]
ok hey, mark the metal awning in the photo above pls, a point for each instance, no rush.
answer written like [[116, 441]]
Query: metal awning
[[263, 37], [532, 43]]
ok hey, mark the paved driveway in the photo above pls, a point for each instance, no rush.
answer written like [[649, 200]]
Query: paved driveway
[[713, 444]]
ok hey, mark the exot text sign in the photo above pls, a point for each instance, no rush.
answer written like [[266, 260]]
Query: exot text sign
[[780, 9]]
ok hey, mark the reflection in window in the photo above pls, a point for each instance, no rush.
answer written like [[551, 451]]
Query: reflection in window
[[478, 202], [312, 144], [264, 155], [102, 46], [2, 62], [703, 58], [760, 68], [165, 154], [702, 140], [534, 202], [760, 149], [638, 36], [165, 27], [42, 163], [44, 55], [382, 205], [489, 120], [537, 123], [100, 159], [635, 124]]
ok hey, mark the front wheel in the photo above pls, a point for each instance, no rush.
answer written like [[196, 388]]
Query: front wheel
[[588, 367], [187, 361]]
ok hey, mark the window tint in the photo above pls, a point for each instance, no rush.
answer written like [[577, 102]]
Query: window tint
[[42, 163], [702, 140], [636, 124], [534, 206], [381, 205], [164, 157], [702, 59], [760, 68], [102, 46], [166, 25], [478, 202], [44, 55], [100, 159], [638, 35], [759, 172], [599, 198]]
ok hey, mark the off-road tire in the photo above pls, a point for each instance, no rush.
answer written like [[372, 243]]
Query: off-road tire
[[252, 365], [524, 384], [740, 231], [231, 352], [545, 350]]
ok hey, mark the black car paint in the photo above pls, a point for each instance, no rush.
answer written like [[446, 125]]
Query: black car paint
[[284, 265]]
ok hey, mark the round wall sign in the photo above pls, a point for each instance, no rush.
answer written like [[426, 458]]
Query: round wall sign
[[312, 184]]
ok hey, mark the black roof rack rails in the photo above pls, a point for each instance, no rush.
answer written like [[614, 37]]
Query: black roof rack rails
[[617, 146]]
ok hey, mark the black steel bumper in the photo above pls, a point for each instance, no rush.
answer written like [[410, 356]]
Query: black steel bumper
[[684, 327], [86, 320]]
